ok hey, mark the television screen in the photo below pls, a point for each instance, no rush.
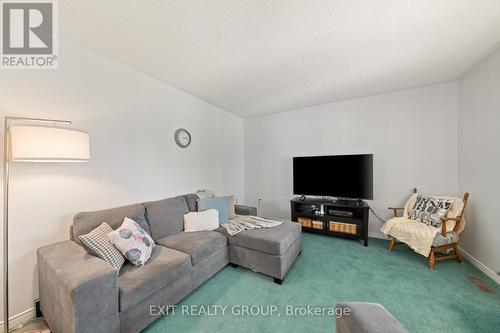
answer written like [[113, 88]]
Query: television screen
[[341, 176]]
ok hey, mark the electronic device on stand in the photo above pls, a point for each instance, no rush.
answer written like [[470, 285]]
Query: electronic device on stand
[[330, 189]]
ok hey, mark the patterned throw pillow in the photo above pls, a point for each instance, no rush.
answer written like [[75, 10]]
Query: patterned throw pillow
[[429, 210], [98, 244], [133, 242]]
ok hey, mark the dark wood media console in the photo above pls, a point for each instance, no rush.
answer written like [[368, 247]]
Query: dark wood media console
[[344, 218]]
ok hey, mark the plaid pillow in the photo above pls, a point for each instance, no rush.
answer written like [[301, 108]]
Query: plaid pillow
[[97, 243], [429, 210]]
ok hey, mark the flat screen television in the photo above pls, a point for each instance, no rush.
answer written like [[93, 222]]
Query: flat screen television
[[341, 176]]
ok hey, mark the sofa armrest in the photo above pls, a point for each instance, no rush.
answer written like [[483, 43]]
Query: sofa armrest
[[245, 210], [78, 291]]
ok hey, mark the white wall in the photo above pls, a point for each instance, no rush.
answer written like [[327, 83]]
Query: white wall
[[479, 158], [131, 119], [412, 134]]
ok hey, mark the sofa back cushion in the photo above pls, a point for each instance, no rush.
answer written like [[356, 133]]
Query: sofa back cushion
[[191, 200], [166, 217], [85, 222]]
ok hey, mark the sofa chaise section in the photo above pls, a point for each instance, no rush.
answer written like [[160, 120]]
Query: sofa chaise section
[[270, 251]]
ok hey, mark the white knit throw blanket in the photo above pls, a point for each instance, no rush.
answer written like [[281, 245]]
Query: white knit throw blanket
[[244, 222]]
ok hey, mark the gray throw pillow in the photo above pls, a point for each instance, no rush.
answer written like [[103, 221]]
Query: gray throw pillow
[[429, 210], [218, 203], [98, 244]]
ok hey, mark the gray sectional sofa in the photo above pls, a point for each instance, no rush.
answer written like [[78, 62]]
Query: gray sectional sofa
[[82, 293]]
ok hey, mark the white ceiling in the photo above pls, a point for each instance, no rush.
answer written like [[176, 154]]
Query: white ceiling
[[260, 56]]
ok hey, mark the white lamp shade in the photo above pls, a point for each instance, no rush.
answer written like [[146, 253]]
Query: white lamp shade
[[48, 144]]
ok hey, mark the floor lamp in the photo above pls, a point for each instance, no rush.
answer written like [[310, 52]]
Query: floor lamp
[[35, 140]]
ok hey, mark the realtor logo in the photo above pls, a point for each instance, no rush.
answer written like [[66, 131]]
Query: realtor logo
[[28, 35]]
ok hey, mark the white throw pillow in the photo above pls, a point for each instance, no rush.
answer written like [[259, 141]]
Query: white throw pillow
[[205, 220], [133, 242]]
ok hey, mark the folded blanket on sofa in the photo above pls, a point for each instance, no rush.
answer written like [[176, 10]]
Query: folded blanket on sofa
[[244, 222]]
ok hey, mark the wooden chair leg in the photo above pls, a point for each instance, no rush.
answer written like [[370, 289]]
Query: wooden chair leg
[[392, 243], [432, 260], [460, 259]]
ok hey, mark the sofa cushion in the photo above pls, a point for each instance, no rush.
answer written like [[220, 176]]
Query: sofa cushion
[[275, 240], [191, 200], [85, 222], [166, 217], [198, 244], [137, 283]]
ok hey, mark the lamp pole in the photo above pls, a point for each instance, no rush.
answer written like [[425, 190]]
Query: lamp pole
[[6, 176], [6, 180]]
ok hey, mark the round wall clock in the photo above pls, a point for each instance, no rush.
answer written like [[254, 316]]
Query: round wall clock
[[182, 138]]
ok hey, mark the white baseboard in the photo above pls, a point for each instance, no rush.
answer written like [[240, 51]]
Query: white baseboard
[[20, 318], [482, 267]]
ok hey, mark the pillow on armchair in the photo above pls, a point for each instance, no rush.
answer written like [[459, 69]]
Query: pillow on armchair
[[429, 210]]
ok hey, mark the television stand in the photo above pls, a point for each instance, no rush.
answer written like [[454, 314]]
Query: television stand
[[339, 217]]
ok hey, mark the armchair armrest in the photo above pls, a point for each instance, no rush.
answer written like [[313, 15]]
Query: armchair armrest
[[444, 230], [245, 210], [395, 210], [78, 292]]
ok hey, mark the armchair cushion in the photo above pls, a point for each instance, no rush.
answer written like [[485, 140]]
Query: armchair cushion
[[440, 240]]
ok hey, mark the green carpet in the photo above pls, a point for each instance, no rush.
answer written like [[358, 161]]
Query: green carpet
[[333, 269]]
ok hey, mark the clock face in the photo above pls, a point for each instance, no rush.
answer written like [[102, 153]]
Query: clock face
[[182, 138]]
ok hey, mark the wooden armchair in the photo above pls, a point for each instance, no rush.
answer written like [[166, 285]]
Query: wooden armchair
[[445, 241]]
